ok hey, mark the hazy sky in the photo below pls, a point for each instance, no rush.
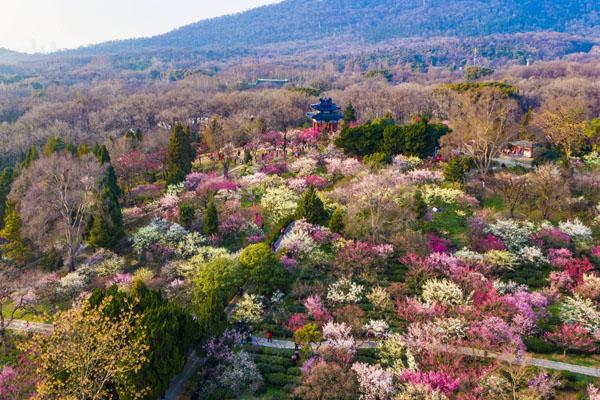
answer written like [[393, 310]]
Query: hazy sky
[[47, 25]]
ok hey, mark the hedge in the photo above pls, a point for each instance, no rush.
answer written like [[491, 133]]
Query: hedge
[[294, 371], [270, 368], [280, 379]]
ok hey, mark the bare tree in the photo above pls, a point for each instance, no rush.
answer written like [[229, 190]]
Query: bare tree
[[549, 192], [513, 189], [484, 121], [55, 195]]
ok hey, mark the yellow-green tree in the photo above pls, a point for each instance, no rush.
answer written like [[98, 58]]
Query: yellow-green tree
[[91, 356]]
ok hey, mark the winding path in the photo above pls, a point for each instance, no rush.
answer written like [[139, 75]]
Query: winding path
[[467, 351]]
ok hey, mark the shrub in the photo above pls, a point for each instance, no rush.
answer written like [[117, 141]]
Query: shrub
[[277, 379], [52, 260]]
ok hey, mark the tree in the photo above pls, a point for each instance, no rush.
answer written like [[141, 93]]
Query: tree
[[308, 334], [107, 221], [265, 272], [419, 139], [31, 155], [484, 119], [17, 300], [217, 282], [6, 178], [55, 197], [565, 128], [91, 356], [15, 249], [336, 223], [180, 155], [311, 208], [211, 219], [53, 145], [572, 337], [349, 113], [549, 191], [512, 189], [456, 169]]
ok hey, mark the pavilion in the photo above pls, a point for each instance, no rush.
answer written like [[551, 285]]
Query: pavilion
[[327, 115]]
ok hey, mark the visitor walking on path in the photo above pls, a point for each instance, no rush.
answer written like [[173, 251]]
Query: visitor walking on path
[[270, 337]]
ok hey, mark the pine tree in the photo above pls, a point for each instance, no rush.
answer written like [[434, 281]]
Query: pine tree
[[211, 219], [349, 113], [15, 249], [53, 145], [180, 155], [102, 154], [107, 223], [31, 155], [247, 157], [6, 179], [336, 223], [311, 208]]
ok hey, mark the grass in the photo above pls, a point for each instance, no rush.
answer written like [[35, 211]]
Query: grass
[[40, 314], [575, 359]]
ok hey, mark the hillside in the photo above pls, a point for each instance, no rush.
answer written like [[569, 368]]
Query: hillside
[[370, 21]]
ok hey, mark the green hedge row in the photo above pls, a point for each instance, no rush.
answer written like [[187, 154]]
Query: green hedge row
[[281, 379]]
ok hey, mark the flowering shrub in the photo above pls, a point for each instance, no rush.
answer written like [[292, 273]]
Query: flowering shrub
[[552, 237], [544, 385], [422, 176], [375, 382], [488, 243], [123, 281], [589, 287], [296, 321], [438, 244], [274, 169], [575, 310], [572, 337], [344, 291], [438, 196], [494, 332], [406, 163], [576, 230], [380, 298], [377, 328], [298, 185], [280, 202], [436, 381], [347, 167], [500, 259], [338, 336], [249, 310], [514, 235], [298, 243], [317, 310], [533, 256], [304, 166], [73, 283], [558, 258], [443, 291]]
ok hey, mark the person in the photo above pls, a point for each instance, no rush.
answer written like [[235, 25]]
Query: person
[[270, 337], [296, 355]]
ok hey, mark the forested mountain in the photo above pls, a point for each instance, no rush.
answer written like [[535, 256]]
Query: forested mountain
[[371, 21]]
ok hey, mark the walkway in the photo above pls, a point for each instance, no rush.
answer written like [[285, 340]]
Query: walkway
[[510, 358], [21, 326]]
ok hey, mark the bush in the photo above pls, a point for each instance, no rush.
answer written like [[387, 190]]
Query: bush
[[538, 345], [266, 359], [277, 379], [456, 169], [52, 260], [270, 368], [295, 371]]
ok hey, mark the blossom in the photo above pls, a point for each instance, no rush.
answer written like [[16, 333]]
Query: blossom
[[558, 258], [513, 234], [304, 166], [376, 383], [377, 328], [576, 310], [442, 291], [296, 321], [248, 310], [437, 381], [438, 244], [406, 163], [344, 291], [338, 336], [544, 385], [380, 298], [317, 310], [298, 243], [532, 255], [576, 230], [280, 202]]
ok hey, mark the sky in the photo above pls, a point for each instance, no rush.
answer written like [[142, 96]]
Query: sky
[[47, 25]]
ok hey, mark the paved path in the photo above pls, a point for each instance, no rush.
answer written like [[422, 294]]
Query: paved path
[[510, 358], [178, 383], [18, 325]]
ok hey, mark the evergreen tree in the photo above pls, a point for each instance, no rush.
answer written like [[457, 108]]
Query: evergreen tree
[[6, 179], [102, 154], [311, 208], [349, 113], [83, 150], [107, 224], [211, 219], [53, 145], [247, 156], [15, 249], [336, 223], [96, 149], [31, 155], [179, 156]]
